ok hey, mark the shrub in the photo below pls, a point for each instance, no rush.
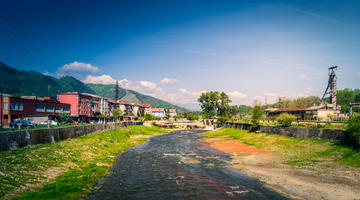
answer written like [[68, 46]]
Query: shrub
[[178, 116], [148, 117], [285, 119], [191, 116], [256, 116], [221, 120], [353, 128]]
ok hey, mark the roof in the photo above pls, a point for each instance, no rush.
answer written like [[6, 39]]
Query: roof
[[172, 110], [147, 105], [289, 109], [122, 102], [157, 109]]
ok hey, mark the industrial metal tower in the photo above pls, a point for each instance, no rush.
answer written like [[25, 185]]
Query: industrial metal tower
[[331, 87]]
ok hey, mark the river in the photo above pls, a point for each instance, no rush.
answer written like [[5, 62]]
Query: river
[[177, 166]]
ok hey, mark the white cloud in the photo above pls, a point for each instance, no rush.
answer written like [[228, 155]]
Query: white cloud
[[146, 87], [303, 76], [79, 67], [103, 79], [148, 84], [236, 95], [169, 80]]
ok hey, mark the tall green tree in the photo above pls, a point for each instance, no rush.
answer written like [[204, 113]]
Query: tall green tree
[[224, 108], [209, 103], [117, 113], [256, 115]]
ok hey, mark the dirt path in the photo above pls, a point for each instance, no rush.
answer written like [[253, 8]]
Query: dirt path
[[325, 180]]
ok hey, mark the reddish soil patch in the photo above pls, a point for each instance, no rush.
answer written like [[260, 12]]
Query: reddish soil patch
[[232, 146], [296, 183]]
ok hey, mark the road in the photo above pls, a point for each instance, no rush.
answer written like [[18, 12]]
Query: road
[[177, 166]]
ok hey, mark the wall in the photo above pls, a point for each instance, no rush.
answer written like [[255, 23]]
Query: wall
[[335, 135], [22, 138]]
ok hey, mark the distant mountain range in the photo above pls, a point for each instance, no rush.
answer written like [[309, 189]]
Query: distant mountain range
[[13, 81]]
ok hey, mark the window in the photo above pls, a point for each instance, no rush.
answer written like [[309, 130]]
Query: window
[[17, 106], [58, 109], [49, 108], [66, 109], [6, 106], [40, 108]]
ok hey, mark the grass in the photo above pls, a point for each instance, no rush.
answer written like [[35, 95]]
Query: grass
[[67, 169], [314, 124], [293, 151]]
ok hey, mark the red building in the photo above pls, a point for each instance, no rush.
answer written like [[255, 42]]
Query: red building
[[30, 107], [80, 103]]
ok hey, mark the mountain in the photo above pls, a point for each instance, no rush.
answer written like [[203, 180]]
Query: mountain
[[13, 81], [132, 96]]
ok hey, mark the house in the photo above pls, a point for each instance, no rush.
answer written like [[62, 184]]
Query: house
[[172, 112], [35, 109], [147, 108], [81, 104], [158, 112], [322, 112]]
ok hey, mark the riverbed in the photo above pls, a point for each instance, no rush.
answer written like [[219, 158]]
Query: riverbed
[[177, 166]]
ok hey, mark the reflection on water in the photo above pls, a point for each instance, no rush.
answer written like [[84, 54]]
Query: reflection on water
[[177, 166]]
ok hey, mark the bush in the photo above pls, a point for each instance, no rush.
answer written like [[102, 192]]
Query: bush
[[353, 128], [178, 116], [221, 120], [191, 116], [148, 117], [285, 119], [256, 116]]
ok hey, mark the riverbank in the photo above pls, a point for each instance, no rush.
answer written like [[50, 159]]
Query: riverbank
[[66, 169], [298, 168]]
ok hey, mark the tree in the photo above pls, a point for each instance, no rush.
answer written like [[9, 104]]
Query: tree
[[256, 115], [353, 129], [224, 108], [101, 117], [209, 103], [117, 113], [285, 119], [63, 116], [191, 116]]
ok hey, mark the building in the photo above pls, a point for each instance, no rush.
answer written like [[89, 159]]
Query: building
[[158, 112], [147, 108], [172, 112], [322, 112], [35, 109], [81, 104]]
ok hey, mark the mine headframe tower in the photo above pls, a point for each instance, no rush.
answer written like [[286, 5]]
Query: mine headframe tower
[[331, 87]]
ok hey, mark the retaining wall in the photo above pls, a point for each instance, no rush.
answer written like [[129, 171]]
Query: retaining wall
[[11, 140], [335, 135]]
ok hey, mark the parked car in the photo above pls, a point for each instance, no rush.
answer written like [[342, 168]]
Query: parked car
[[68, 121], [50, 122], [21, 123]]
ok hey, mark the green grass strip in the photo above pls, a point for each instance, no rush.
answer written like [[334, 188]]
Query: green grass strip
[[67, 169]]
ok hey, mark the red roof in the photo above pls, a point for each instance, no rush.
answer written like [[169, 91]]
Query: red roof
[[157, 109], [172, 110], [122, 102], [291, 109], [147, 105]]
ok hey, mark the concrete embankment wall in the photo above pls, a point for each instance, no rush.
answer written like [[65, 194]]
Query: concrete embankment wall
[[18, 139], [335, 135]]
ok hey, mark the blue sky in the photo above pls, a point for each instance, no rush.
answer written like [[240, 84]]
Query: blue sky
[[174, 50]]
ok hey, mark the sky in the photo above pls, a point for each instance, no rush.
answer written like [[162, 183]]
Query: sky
[[174, 50]]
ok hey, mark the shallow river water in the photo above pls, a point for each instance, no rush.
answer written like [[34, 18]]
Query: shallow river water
[[177, 166]]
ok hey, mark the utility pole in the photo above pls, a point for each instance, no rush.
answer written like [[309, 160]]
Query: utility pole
[[117, 91]]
